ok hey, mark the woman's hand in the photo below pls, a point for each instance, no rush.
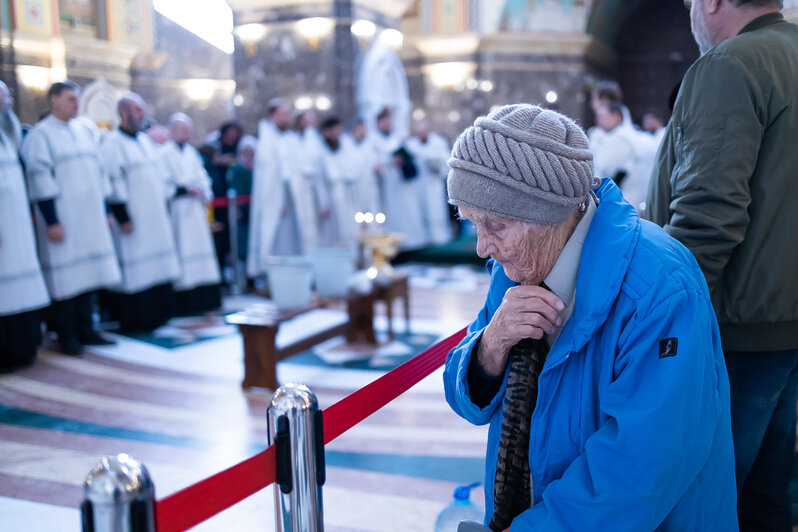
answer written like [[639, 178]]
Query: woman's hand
[[525, 312]]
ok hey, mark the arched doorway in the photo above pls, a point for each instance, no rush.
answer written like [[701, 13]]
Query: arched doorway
[[653, 46]]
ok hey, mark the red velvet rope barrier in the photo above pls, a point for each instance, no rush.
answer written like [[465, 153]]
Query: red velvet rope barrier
[[194, 504], [224, 202]]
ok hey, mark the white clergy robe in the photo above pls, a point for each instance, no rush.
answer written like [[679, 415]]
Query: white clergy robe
[[139, 180], [21, 282], [62, 164], [635, 187], [362, 162], [282, 213], [344, 181], [312, 150], [430, 158], [400, 197], [189, 217], [613, 152]]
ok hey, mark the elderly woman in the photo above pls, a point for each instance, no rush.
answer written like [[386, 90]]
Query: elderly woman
[[596, 358]]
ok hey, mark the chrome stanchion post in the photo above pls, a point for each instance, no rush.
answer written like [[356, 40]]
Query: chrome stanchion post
[[296, 428], [232, 229], [119, 496]]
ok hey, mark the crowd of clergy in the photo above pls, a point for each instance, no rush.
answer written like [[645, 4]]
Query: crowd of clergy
[[132, 227], [122, 226]]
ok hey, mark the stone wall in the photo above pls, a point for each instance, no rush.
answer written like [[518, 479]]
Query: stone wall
[[184, 73], [502, 69], [286, 64]]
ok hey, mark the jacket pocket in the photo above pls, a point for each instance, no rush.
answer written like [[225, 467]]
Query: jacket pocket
[[697, 150]]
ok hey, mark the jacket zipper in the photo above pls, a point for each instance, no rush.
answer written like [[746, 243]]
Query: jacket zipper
[[679, 141], [531, 424]]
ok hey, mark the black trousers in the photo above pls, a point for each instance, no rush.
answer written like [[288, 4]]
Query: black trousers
[[20, 335], [198, 300], [140, 311], [72, 318]]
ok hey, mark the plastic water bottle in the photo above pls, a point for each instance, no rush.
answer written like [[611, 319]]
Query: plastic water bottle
[[461, 508]]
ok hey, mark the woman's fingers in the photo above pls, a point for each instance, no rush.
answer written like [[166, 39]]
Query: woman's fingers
[[530, 292]]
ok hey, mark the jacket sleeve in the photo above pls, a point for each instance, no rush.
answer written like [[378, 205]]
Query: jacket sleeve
[[659, 186], [455, 374], [660, 415], [718, 134]]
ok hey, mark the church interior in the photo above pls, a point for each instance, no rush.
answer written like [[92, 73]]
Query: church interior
[[188, 400]]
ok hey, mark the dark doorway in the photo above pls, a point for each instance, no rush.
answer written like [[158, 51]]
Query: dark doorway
[[655, 48]]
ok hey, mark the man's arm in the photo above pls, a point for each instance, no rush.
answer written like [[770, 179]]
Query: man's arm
[[717, 145], [661, 416]]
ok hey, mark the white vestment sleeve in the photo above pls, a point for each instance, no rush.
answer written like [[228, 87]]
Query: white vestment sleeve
[[113, 161], [201, 178], [39, 167]]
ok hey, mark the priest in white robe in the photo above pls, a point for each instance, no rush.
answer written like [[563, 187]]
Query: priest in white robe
[[142, 233], [198, 287], [613, 150], [430, 152], [282, 211], [69, 185], [399, 186], [342, 176], [311, 161], [363, 162], [21, 283]]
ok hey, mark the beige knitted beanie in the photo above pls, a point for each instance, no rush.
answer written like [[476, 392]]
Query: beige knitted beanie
[[522, 162]]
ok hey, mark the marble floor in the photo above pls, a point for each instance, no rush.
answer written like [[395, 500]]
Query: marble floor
[[174, 401]]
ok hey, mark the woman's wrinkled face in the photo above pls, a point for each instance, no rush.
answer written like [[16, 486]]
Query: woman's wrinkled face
[[527, 251]]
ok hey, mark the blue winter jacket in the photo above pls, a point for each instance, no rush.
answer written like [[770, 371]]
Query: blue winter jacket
[[628, 434]]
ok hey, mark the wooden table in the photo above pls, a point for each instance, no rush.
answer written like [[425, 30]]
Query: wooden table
[[387, 293], [259, 331]]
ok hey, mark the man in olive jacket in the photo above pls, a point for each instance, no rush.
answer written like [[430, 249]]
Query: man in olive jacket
[[726, 186]]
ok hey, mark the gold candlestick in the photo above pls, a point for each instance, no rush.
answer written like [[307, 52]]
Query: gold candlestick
[[382, 247]]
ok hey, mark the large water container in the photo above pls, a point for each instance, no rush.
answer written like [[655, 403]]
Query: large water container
[[332, 268], [289, 279]]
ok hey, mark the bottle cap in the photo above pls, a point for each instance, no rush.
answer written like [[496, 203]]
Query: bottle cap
[[462, 493]]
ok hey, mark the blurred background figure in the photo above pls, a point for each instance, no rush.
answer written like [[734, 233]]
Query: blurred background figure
[[21, 281], [220, 150], [69, 185], [311, 162], [240, 180], [622, 152], [282, 215], [654, 124], [430, 152], [341, 172], [603, 93], [364, 162], [198, 287], [399, 186], [613, 153], [142, 233], [158, 134]]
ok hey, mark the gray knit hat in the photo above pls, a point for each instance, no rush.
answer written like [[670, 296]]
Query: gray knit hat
[[522, 162]]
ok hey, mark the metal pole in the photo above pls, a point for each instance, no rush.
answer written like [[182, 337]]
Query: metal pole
[[295, 426], [232, 229], [119, 496]]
